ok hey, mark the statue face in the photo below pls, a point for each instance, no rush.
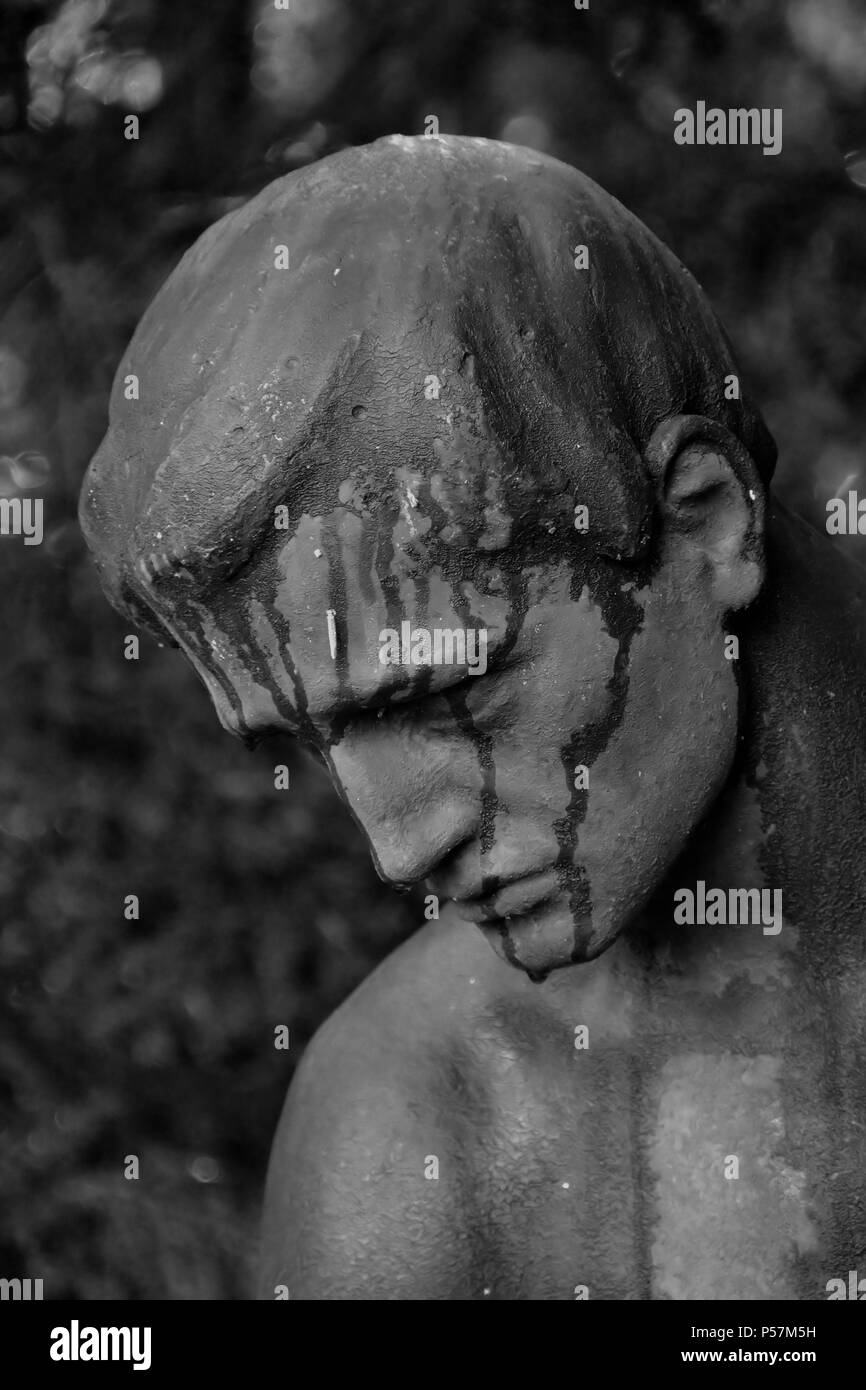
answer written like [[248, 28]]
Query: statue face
[[434, 387], [547, 793]]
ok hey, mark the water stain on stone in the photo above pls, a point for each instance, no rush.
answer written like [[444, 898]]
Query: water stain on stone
[[623, 618]]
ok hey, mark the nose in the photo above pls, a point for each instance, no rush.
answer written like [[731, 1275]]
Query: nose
[[413, 805]]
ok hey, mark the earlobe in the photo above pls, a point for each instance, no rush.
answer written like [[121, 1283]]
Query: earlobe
[[710, 495]]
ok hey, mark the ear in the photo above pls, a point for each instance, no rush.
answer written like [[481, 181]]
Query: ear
[[711, 496]]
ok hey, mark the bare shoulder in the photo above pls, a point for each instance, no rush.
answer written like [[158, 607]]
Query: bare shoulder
[[368, 1174]]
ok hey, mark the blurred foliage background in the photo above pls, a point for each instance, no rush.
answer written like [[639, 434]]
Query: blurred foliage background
[[260, 907]]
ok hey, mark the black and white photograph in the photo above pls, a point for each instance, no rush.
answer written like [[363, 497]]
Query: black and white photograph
[[433, 663]]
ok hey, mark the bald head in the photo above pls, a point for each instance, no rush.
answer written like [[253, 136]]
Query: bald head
[[432, 331]]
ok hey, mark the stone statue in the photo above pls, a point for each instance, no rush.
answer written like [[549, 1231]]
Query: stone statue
[[443, 387]]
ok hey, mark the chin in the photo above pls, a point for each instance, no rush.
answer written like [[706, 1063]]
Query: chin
[[545, 940]]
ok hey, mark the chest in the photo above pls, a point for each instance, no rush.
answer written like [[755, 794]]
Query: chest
[[679, 1143]]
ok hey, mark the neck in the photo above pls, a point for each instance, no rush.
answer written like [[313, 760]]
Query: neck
[[804, 668]]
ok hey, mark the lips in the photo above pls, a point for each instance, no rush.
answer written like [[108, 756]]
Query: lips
[[514, 900]]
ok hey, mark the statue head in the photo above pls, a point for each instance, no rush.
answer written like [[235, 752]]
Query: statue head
[[439, 460]]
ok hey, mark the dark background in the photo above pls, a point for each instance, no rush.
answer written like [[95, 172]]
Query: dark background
[[259, 907]]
